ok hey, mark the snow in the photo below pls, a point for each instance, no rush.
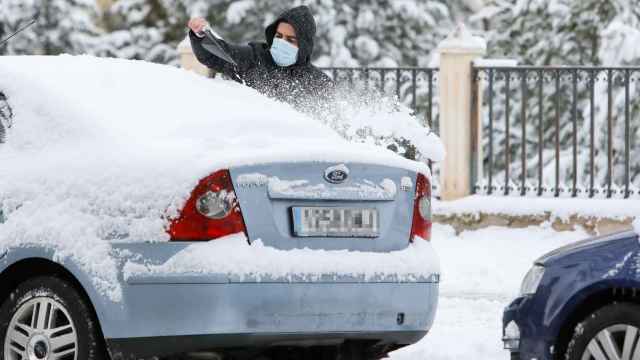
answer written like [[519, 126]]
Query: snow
[[253, 179], [434, 61], [406, 183], [389, 187], [302, 189], [367, 116], [636, 225], [618, 267], [481, 274], [367, 47], [529, 206], [185, 46], [619, 43], [475, 5], [234, 257], [495, 62], [108, 149], [238, 10], [461, 39]]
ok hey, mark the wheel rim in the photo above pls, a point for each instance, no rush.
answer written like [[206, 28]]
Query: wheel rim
[[617, 342], [41, 329]]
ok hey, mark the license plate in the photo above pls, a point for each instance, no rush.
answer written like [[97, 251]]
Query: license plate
[[336, 222]]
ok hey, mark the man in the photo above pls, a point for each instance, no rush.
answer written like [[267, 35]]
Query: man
[[280, 67]]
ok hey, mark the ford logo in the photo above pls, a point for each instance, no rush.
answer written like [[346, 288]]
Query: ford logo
[[336, 174]]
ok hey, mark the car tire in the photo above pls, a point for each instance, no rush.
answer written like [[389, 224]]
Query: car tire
[[613, 328], [47, 315]]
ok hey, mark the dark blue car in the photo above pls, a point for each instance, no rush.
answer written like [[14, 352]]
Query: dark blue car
[[579, 302]]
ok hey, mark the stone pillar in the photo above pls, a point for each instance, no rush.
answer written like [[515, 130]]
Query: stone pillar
[[459, 102], [188, 59], [104, 5]]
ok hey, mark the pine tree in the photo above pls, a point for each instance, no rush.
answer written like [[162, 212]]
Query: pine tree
[[63, 26], [564, 32], [143, 30]]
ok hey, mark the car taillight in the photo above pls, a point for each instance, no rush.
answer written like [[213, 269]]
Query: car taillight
[[421, 225], [211, 212]]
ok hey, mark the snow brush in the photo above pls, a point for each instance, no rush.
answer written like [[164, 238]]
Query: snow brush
[[214, 47]]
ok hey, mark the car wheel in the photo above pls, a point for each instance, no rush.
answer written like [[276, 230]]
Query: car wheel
[[46, 318], [609, 333]]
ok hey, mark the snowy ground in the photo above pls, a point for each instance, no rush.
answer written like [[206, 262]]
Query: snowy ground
[[482, 271]]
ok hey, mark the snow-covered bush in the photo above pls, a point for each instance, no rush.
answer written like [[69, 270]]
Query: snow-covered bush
[[63, 26]]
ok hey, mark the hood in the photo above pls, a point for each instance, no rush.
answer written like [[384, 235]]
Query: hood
[[587, 244], [305, 25]]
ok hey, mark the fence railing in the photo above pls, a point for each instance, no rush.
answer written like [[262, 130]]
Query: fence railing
[[560, 131], [414, 87]]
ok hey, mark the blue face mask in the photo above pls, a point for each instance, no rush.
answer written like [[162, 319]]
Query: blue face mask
[[283, 53]]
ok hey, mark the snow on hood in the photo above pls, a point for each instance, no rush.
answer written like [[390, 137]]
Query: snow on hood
[[108, 149]]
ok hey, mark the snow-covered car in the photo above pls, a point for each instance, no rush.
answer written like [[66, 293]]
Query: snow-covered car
[[579, 302], [147, 211]]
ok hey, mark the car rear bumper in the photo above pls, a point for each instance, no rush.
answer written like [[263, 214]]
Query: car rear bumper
[[136, 348], [163, 318]]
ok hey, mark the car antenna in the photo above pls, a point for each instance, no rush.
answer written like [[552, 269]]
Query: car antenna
[[33, 21]]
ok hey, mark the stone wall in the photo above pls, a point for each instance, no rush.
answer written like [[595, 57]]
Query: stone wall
[[593, 225]]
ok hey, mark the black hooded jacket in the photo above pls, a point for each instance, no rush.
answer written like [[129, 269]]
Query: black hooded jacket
[[301, 85]]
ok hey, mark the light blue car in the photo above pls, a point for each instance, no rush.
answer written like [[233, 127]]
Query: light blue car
[[325, 256]]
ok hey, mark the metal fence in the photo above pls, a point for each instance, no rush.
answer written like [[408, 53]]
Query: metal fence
[[560, 131], [414, 87]]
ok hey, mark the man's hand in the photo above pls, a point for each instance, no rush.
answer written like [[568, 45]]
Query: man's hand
[[197, 25]]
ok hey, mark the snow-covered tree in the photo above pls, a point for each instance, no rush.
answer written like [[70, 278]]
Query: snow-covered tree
[[63, 26], [142, 30], [350, 33], [564, 32]]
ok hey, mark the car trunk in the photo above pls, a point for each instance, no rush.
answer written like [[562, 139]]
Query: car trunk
[[276, 199]]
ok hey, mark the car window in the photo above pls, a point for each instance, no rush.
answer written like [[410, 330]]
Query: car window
[[6, 117]]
